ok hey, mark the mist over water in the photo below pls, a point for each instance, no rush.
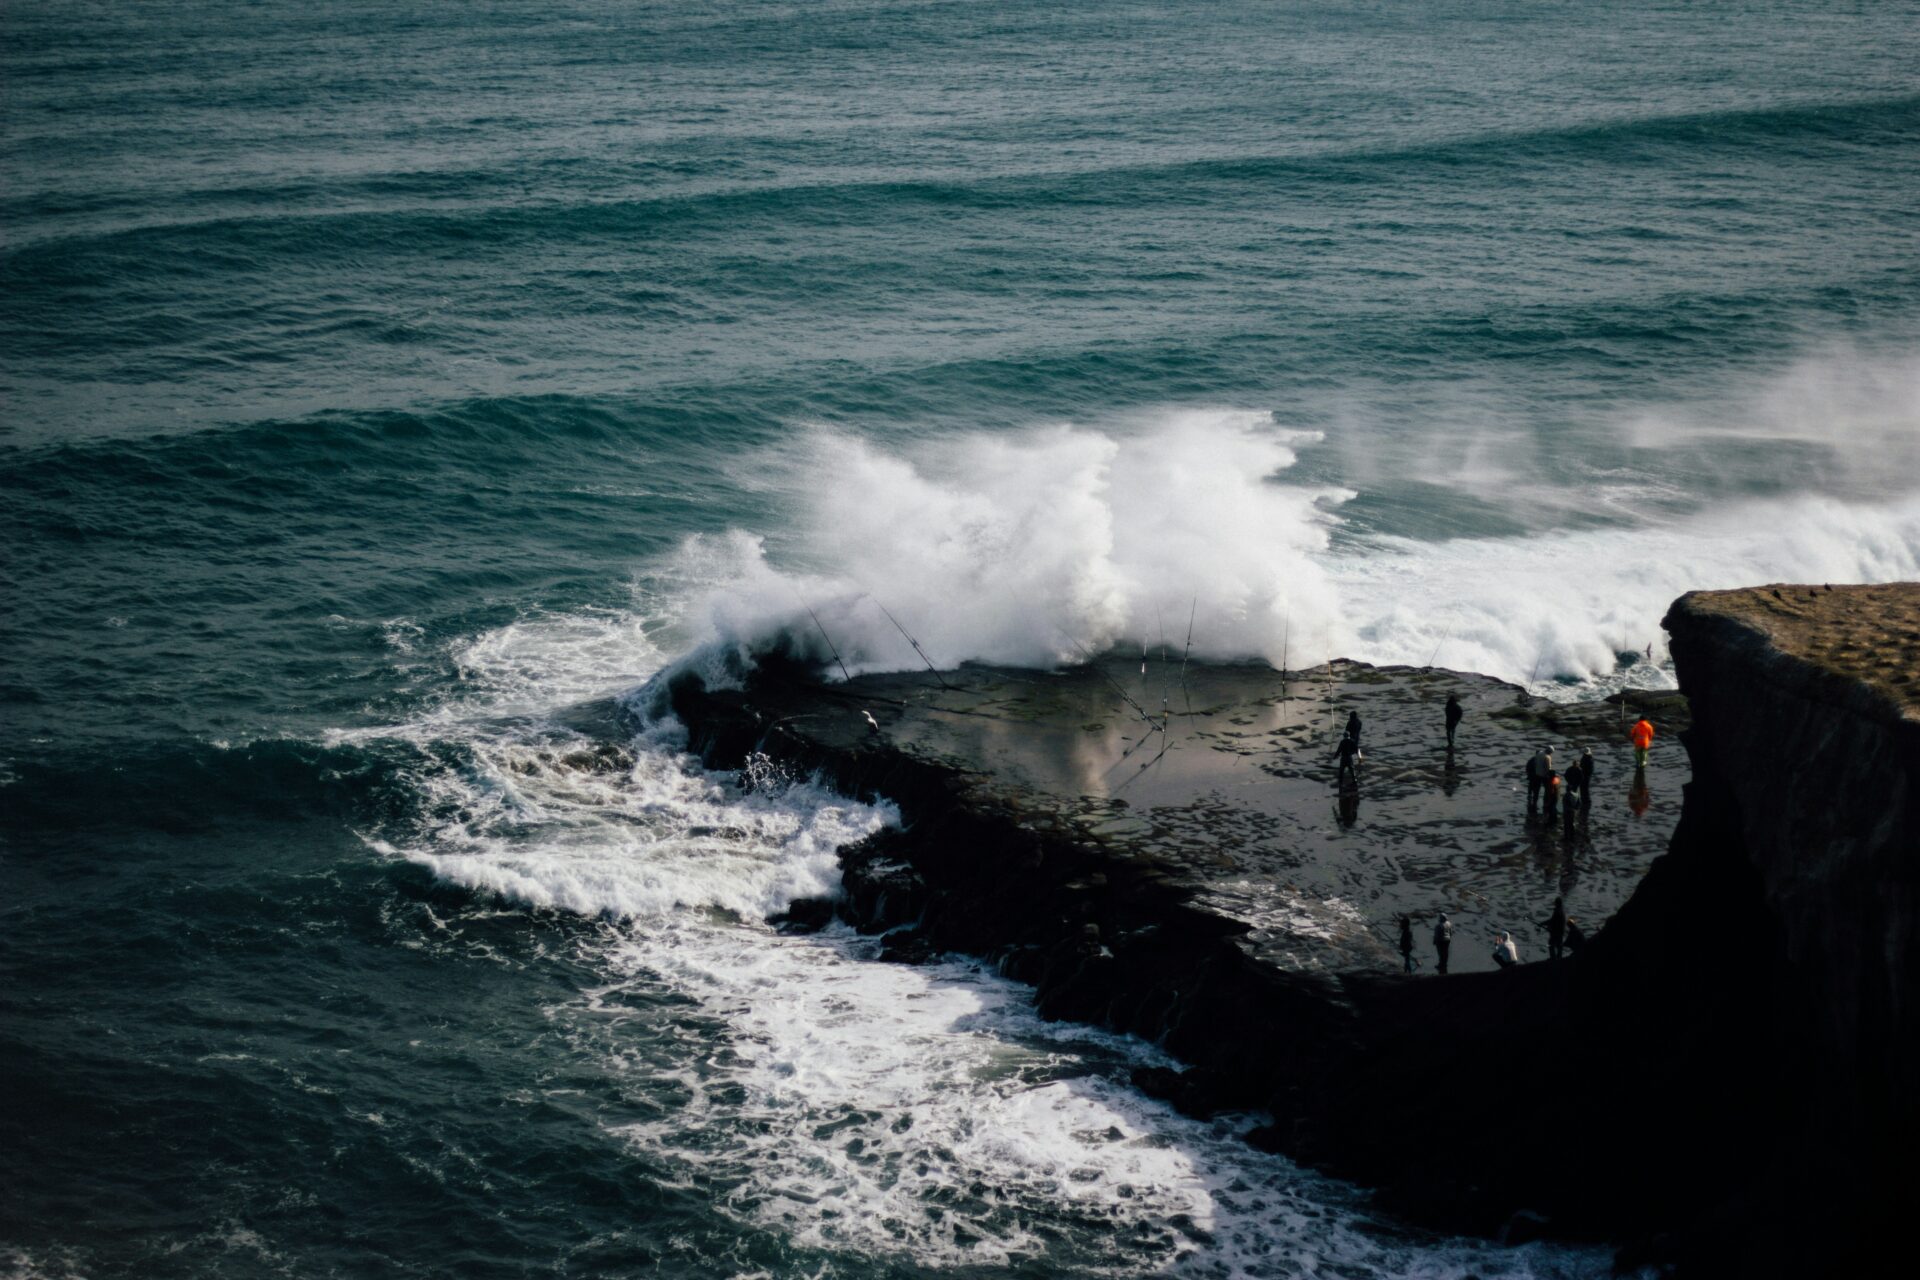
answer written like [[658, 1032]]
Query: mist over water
[[389, 395]]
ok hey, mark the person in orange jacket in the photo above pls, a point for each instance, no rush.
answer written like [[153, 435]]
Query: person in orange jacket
[[1641, 735]]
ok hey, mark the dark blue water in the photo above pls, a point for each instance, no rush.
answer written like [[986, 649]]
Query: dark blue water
[[386, 394]]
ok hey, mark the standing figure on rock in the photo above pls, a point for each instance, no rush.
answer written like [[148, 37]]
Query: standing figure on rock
[[1556, 927], [1641, 735], [1571, 780], [1586, 779], [1552, 787], [1443, 939], [1538, 770], [1406, 943], [1349, 753], [1505, 954], [1353, 727], [1454, 712]]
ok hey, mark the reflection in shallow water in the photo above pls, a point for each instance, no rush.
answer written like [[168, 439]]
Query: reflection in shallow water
[[1238, 777]]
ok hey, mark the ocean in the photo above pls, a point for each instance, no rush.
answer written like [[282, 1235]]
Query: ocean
[[388, 392]]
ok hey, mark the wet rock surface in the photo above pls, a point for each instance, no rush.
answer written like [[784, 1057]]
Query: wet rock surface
[[1220, 786]]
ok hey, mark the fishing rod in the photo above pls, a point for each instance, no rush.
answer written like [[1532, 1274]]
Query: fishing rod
[[1192, 610], [1144, 766], [832, 647], [1166, 665], [916, 645], [829, 639], [1098, 670], [1436, 649], [1535, 672]]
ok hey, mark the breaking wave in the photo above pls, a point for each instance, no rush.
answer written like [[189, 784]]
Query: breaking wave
[[1040, 548]]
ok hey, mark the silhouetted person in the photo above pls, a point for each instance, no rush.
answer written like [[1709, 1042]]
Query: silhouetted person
[[1586, 779], [1552, 789], [1505, 954], [1570, 783], [1556, 927], [1538, 770], [1576, 936], [1443, 939], [1454, 712], [1406, 943], [1349, 753], [1353, 727]]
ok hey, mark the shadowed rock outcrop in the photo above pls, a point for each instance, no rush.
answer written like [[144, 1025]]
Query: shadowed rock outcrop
[[1724, 1077]]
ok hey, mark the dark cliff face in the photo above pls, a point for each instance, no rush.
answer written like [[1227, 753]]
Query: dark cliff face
[[1727, 1078], [1806, 740]]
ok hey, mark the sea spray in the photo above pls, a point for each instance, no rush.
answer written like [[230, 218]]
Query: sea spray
[[1038, 549]]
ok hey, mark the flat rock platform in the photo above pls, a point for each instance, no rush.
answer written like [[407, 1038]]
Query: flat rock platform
[[1222, 778]]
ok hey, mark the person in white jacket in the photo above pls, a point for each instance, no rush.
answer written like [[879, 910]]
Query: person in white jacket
[[1505, 954]]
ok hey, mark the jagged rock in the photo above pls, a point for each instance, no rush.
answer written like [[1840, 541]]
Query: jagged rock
[[804, 915], [907, 946]]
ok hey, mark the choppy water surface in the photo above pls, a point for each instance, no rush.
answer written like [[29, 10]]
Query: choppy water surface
[[385, 395]]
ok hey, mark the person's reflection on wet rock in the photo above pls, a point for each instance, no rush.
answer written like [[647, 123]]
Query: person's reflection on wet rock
[[1347, 811]]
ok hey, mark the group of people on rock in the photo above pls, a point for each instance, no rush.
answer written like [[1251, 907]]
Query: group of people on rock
[[1570, 793], [1564, 937], [1567, 793]]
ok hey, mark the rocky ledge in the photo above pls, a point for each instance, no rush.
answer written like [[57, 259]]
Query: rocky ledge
[[1723, 1078]]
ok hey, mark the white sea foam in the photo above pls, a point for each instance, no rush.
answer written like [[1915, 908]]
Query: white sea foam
[[540, 819], [1565, 604], [1034, 549], [927, 1114], [858, 1108]]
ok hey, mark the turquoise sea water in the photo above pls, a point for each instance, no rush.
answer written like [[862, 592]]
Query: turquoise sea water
[[386, 392]]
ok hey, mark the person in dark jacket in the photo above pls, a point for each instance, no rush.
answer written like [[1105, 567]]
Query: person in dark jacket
[[1406, 943], [1454, 712], [1353, 727], [1538, 770], [1586, 779], [1443, 939], [1556, 927], [1349, 753]]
